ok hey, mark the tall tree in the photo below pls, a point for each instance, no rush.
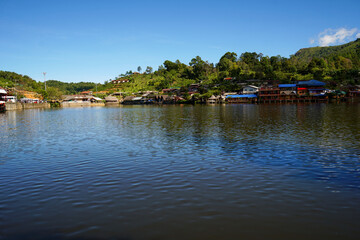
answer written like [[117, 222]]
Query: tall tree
[[149, 70]]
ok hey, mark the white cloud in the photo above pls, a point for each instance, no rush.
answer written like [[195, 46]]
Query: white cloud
[[312, 41], [337, 36], [358, 35]]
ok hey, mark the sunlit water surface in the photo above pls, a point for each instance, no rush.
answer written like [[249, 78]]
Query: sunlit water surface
[[181, 172]]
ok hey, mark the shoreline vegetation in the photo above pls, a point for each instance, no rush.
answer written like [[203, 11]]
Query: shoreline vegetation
[[318, 74]]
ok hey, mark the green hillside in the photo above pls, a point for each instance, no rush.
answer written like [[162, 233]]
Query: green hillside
[[346, 54], [22, 82], [339, 66]]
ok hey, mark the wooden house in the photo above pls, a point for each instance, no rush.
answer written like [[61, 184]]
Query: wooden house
[[311, 87], [269, 94]]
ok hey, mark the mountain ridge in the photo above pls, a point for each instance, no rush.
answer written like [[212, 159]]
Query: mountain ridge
[[350, 50]]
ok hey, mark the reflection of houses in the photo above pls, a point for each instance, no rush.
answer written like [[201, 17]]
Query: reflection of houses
[[245, 98], [250, 89]]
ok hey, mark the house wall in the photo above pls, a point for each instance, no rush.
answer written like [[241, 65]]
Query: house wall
[[75, 104]]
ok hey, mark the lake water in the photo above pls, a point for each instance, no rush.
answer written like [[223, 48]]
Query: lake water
[[181, 172]]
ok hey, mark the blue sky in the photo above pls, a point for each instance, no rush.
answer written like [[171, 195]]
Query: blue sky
[[85, 40]]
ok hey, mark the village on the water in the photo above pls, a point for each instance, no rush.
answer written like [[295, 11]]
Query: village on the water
[[252, 91]]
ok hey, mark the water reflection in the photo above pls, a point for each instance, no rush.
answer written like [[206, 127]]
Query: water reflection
[[174, 172]]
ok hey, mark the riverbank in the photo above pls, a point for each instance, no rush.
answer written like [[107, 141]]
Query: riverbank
[[81, 104], [21, 106], [9, 106]]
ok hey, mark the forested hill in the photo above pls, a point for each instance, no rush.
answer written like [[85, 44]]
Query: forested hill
[[338, 66], [70, 88], [11, 79], [348, 53], [14, 81]]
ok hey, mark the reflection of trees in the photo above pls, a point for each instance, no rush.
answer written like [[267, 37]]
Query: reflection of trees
[[222, 126]]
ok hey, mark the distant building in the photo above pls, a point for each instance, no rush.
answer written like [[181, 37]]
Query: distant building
[[29, 100], [194, 88], [118, 81], [214, 99], [111, 99], [269, 93], [128, 100], [250, 89], [10, 99], [170, 90], [86, 93], [354, 91], [311, 87], [81, 98], [3, 95]]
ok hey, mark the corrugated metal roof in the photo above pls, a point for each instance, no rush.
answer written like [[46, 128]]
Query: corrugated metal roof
[[311, 83], [286, 85], [242, 96]]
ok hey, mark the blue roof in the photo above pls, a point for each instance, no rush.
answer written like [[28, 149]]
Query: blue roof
[[286, 85], [311, 83], [242, 96]]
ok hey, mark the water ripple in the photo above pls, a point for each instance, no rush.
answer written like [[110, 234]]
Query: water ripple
[[141, 172]]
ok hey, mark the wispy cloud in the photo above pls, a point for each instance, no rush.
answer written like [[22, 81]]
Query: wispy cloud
[[336, 36]]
